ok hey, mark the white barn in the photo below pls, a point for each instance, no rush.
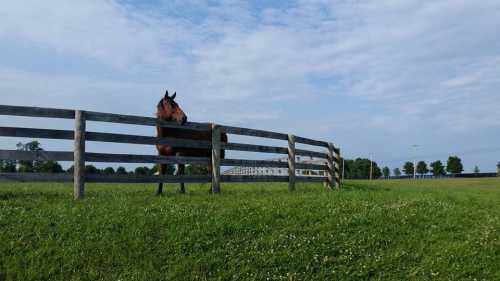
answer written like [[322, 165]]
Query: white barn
[[271, 171]]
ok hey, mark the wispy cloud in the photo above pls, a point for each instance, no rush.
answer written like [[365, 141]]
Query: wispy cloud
[[377, 67]]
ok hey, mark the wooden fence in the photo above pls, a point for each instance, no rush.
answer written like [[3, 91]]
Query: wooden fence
[[79, 156]]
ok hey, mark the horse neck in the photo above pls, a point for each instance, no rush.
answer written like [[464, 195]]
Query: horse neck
[[160, 131]]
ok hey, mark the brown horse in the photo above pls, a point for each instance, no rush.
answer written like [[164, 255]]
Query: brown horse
[[169, 110]]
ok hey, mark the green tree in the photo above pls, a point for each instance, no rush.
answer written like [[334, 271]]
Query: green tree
[[498, 169], [8, 166], [109, 171], [91, 170], [155, 169], [386, 171], [143, 171], [360, 169], [37, 166], [348, 167], [422, 168], [438, 168], [71, 169], [476, 170], [454, 165], [408, 168], [26, 166], [397, 172], [49, 167], [121, 171], [170, 169], [196, 170], [377, 172]]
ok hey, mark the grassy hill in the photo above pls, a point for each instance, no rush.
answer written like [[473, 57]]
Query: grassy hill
[[379, 230]]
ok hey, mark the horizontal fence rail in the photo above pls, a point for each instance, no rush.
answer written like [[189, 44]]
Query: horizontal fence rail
[[36, 112], [36, 133], [98, 117], [251, 178], [36, 177], [253, 163], [254, 133], [97, 178], [270, 149], [145, 121], [148, 179], [270, 135], [43, 155], [157, 159], [254, 148], [302, 152], [100, 137], [36, 155], [79, 156], [134, 139], [311, 142], [307, 166], [270, 164]]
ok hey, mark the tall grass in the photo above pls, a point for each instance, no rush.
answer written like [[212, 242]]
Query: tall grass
[[378, 230]]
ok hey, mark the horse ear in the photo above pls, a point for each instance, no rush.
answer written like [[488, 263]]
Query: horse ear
[[175, 94], [166, 94]]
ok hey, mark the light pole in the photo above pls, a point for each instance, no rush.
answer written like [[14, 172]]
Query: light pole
[[343, 170], [415, 161], [371, 168]]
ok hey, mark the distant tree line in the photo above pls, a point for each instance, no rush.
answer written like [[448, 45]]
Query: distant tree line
[[437, 168], [23, 166], [360, 168]]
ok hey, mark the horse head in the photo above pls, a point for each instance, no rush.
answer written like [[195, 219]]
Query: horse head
[[169, 110]]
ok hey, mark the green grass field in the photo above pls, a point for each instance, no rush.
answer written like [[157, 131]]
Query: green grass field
[[379, 230]]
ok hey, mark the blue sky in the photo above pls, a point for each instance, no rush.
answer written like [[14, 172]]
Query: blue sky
[[374, 77]]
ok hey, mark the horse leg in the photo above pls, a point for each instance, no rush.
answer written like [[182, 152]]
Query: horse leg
[[162, 170], [210, 174], [180, 172]]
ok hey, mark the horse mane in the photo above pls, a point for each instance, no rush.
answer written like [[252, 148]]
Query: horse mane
[[158, 109]]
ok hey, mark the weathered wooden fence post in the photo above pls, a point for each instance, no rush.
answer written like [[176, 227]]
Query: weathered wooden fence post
[[337, 167], [79, 155], [291, 162], [216, 154], [330, 173]]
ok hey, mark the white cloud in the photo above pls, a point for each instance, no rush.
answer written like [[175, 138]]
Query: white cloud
[[95, 29], [428, 64]]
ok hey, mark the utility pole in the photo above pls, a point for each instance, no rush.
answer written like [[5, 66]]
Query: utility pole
[[371, 168], [343, 169], [414, 168], [415, 161]]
